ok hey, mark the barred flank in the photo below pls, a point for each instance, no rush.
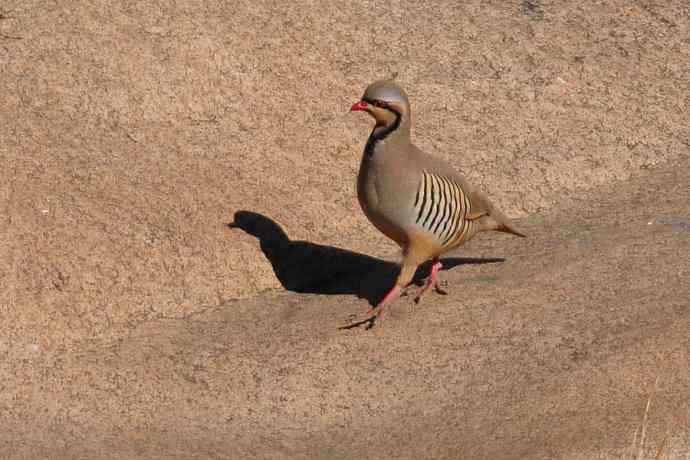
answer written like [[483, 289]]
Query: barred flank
[[441, 206]]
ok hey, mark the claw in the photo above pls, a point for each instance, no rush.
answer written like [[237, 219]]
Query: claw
[[438, 289]]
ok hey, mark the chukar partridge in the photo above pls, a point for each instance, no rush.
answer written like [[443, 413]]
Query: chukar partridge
[[420, 202]]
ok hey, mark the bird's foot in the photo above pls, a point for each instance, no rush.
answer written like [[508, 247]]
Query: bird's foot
[[432, 280], [439, 289], [376, 313]]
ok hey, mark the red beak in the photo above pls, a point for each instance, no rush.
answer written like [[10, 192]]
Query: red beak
[[361, 105]]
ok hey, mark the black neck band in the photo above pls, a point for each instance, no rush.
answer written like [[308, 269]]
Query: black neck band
[[375, 136]]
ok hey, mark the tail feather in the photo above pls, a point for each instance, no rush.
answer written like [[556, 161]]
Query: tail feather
[[499, 222], [495, 220], [510, 228]]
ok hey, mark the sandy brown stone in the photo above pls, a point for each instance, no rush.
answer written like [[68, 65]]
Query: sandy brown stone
[[551, 352]]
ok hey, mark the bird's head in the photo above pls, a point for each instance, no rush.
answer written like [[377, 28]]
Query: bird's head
[[386, 102]]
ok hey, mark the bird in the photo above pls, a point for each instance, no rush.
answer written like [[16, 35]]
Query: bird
[[417, 200]]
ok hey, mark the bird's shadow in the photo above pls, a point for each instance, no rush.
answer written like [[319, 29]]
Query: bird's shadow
[[306, 267]]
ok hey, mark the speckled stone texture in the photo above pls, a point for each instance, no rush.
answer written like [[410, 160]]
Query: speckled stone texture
[[137, 324]]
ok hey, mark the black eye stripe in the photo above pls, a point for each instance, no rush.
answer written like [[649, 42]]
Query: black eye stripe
[[376, 102]]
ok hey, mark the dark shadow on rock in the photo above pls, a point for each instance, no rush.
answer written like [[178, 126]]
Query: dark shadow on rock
[[306, 267]]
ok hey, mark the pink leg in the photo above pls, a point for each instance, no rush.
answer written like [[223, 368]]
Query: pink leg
[[377, 311], [432, 280]]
